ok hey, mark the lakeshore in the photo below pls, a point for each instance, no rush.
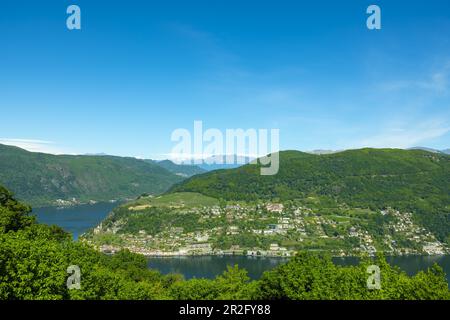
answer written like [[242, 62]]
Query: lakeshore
[[78, 219]]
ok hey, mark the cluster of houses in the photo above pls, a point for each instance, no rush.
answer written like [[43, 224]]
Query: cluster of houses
[[298, 222], [403, 223]]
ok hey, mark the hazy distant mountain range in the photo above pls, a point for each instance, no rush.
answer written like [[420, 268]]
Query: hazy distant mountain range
[[224, 162], [180, 170], [42, 179]]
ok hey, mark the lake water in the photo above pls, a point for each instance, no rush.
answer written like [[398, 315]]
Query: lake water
[[211, 266], [76, 219], [79, 219]]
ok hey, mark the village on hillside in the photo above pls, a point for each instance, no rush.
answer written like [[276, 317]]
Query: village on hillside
[[263, 229]]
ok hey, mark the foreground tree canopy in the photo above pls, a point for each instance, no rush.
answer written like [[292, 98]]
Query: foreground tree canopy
[[34, 259]]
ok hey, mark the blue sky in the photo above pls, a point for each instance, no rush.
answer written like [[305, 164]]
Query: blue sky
[[137, 70]]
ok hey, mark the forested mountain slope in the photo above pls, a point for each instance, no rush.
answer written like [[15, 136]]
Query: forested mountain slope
[[413, 180], [41, 179]]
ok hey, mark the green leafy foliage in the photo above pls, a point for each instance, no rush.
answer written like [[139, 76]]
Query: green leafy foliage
[[13, 215], [309, 276], [34, 260]]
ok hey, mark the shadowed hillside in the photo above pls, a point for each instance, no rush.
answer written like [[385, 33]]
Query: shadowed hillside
[[40, 179]]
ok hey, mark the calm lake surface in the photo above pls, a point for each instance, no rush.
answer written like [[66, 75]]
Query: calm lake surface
[[211, 266], [79, 219]]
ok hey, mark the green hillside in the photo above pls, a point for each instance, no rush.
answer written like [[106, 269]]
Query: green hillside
[[413, 180], [187, 223], [181, 200], [40, 179]]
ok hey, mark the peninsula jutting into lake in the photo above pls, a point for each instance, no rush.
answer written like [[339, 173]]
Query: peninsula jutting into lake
[[232, 154], [320, 211]]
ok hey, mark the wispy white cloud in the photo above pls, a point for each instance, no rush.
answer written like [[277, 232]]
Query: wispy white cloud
[[34, 145], [438, 81], [407, 136]]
